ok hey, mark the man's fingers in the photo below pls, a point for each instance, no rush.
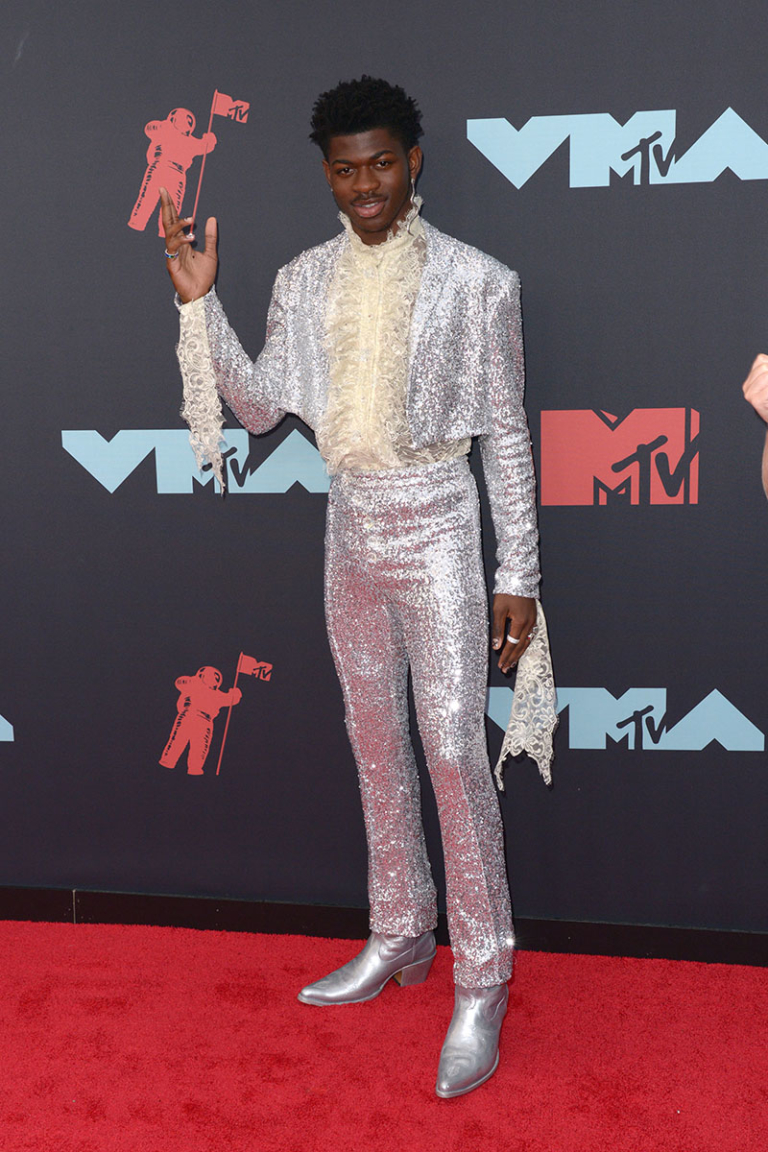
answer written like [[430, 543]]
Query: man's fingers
[[211, 236], [173, 225], [518, 637], [168, 206], [758, 374], [756, 388], [513, 642], [178, 226], [755, 382], [168, 211], [499, 624], [176, 239], [505, 640], [174, 234], [511, 652]]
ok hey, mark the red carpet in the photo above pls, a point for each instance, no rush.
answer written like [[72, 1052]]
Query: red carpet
[[168, 1040]]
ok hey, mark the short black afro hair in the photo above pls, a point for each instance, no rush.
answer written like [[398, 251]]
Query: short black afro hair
[[361, 105]]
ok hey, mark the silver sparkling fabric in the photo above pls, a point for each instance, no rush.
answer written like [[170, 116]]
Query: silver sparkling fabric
[[404, 579], [465, 375], [405, 588]]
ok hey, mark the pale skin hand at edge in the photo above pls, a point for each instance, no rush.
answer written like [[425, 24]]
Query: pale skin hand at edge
[[755, 390], [193, 275]]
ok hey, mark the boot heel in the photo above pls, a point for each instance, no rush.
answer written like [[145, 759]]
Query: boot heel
[[414, 973]]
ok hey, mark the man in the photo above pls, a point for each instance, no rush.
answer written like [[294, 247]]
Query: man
[[397, 345], [755, 390]]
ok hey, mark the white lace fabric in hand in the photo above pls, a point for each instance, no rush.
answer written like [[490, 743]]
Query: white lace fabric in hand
[[202, 406], [533, 719]]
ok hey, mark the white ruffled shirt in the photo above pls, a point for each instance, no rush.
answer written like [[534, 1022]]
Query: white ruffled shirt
[[370, 307]]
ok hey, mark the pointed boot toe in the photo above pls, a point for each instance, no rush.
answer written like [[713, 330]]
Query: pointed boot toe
[[470, 1054], [459, 1074], [406, 959]]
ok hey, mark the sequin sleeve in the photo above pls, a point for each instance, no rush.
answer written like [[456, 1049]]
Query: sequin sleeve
[[250, 388], [506, 451], [209, 348]]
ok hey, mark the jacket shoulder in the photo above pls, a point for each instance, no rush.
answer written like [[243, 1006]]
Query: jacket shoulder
[[311, 260], [465, 260]]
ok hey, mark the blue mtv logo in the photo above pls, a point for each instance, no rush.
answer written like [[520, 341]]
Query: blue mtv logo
[[6, 729], [645, 147], [638, 718], [293, 461]]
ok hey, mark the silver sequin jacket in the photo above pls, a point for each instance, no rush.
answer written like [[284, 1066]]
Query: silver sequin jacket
[[466, 374]]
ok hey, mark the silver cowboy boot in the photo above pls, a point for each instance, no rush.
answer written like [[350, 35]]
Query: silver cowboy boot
[[470, 1053], [405, 958]]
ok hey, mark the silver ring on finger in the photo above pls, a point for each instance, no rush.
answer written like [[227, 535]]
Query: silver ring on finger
[[171, 255], [513, 639]]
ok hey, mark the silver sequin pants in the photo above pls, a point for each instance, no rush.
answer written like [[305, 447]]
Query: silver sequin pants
[[404, 587]]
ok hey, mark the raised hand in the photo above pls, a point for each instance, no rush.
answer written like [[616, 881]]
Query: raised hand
[[755, 387], [193, 273]]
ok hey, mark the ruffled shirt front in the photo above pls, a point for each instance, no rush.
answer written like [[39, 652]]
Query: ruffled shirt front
[[369, 312]]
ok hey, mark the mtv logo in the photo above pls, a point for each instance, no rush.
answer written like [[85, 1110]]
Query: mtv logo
[[645, 145], [293, 461], [239, 111], [650, 456], [638, 719]]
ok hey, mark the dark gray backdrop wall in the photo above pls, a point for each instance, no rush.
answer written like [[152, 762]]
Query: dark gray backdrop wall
[[636, 296]]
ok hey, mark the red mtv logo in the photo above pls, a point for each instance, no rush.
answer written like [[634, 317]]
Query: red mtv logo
[[650, 456]]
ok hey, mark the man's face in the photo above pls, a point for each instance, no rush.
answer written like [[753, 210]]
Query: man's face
[[370, 175]]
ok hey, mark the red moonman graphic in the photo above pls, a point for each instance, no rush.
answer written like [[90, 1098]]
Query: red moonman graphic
[[172, 149], [200, 701], [649, 456], [171, 152]]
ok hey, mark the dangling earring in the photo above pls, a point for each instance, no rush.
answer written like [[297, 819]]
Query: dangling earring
[[413, 211]]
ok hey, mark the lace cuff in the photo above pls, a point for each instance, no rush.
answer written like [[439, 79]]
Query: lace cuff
[[533, 719], [201, 407]]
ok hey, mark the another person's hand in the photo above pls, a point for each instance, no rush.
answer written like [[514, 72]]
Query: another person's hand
[[514, 619], [755, 386], [193, 273]]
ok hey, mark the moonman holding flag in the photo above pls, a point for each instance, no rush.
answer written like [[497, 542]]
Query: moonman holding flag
[[397, 344], [172, 148], [201, 698]]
